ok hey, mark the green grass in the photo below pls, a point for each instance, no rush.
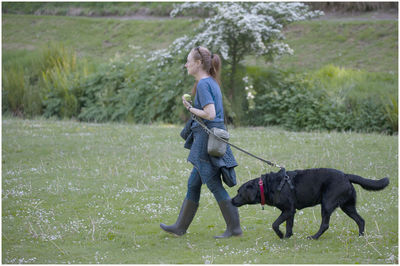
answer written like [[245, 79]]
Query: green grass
[[368, 45], [355, 84], [89, 9], [96, 38], [96, 193]]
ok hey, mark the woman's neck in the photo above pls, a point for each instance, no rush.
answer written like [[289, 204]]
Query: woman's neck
[[201, 75]]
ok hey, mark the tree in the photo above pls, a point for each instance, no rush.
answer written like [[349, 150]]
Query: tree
[[237, 29]]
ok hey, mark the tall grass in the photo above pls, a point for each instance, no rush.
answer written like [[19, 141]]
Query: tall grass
[[21, 95], [30, 84], [61, 79], [354, 83], [352, 87]]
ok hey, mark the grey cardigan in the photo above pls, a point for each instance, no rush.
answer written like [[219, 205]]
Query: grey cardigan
[[196, 141]]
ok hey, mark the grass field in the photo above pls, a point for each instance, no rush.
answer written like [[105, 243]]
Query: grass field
[[97, 39], [368, 45], [96, 193]]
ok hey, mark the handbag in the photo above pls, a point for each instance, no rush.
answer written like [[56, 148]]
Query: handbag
[[215, 146], [217, 138]]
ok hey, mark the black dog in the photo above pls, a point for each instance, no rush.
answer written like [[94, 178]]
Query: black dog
[[305, 188]]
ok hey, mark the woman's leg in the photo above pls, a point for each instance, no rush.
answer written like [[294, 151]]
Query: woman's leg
[[194, 186], [214, 184], [229, 211], [189, 207]]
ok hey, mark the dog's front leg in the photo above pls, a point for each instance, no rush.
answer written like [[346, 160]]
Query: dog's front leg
[[289, 226], [283, 217]]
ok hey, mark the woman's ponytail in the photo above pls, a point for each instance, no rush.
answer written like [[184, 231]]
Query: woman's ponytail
[[215, 70]]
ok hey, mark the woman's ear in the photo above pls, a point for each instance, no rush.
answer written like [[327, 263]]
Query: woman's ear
[[198, 63]]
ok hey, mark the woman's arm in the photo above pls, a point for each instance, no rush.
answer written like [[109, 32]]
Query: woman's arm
[[208, 111]]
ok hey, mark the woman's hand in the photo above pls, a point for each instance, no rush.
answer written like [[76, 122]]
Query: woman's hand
[[186, 103]]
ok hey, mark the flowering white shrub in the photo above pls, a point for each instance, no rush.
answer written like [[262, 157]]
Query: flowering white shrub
[[236, 29]]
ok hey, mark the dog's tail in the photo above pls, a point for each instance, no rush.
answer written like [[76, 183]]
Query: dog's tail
[[368, 184]]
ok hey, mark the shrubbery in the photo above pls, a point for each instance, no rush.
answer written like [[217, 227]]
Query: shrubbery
[[61, 85], [304, 102]]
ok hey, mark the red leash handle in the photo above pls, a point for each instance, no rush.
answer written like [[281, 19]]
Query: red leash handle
[[261, 184]]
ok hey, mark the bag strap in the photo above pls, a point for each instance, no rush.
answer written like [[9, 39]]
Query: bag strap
[[236, 147], [201, 123]]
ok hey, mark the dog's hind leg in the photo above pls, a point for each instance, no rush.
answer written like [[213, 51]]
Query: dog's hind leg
[[326, 216], [285, 215], [350, 209]]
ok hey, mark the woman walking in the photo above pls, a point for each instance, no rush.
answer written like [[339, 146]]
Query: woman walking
[[205, 68]]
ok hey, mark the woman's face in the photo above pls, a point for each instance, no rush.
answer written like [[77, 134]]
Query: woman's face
[[192, 65]]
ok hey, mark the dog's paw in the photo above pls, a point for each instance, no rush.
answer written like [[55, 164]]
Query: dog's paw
[[288, 235]]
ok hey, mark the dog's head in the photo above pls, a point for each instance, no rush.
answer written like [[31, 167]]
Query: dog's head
[[248, 193]]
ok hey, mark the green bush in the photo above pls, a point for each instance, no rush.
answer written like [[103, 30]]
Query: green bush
[[57, 83], [102, 94], [155, 95], [299, 103], [62, 76], [140, 94]]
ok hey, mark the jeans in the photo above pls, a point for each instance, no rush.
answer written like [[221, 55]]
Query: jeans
[[214, 184]]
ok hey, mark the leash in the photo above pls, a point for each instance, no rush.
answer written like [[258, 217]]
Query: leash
[[285, 180], [236, 147]]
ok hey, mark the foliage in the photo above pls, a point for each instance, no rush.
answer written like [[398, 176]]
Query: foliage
[[61, 79], [21, 93], [296, 102], [13, 89], [141, 94], [101, 94], [235, 29], [392, 112], [126, 91], [155, 95]]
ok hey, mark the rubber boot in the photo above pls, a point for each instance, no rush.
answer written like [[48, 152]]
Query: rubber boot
[[231, 216], [186, 215]]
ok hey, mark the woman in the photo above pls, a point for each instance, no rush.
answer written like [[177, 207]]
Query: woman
[[205, 68]]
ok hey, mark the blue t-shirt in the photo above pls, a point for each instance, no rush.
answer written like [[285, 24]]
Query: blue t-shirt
[[209, 92]]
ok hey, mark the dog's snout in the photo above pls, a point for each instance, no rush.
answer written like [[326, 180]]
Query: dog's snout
[[235, 203]]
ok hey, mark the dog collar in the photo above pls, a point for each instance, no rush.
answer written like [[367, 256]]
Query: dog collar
[[261, 184]]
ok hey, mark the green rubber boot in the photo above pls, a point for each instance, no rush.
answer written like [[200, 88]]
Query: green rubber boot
[[186, 215], [231, 216]]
